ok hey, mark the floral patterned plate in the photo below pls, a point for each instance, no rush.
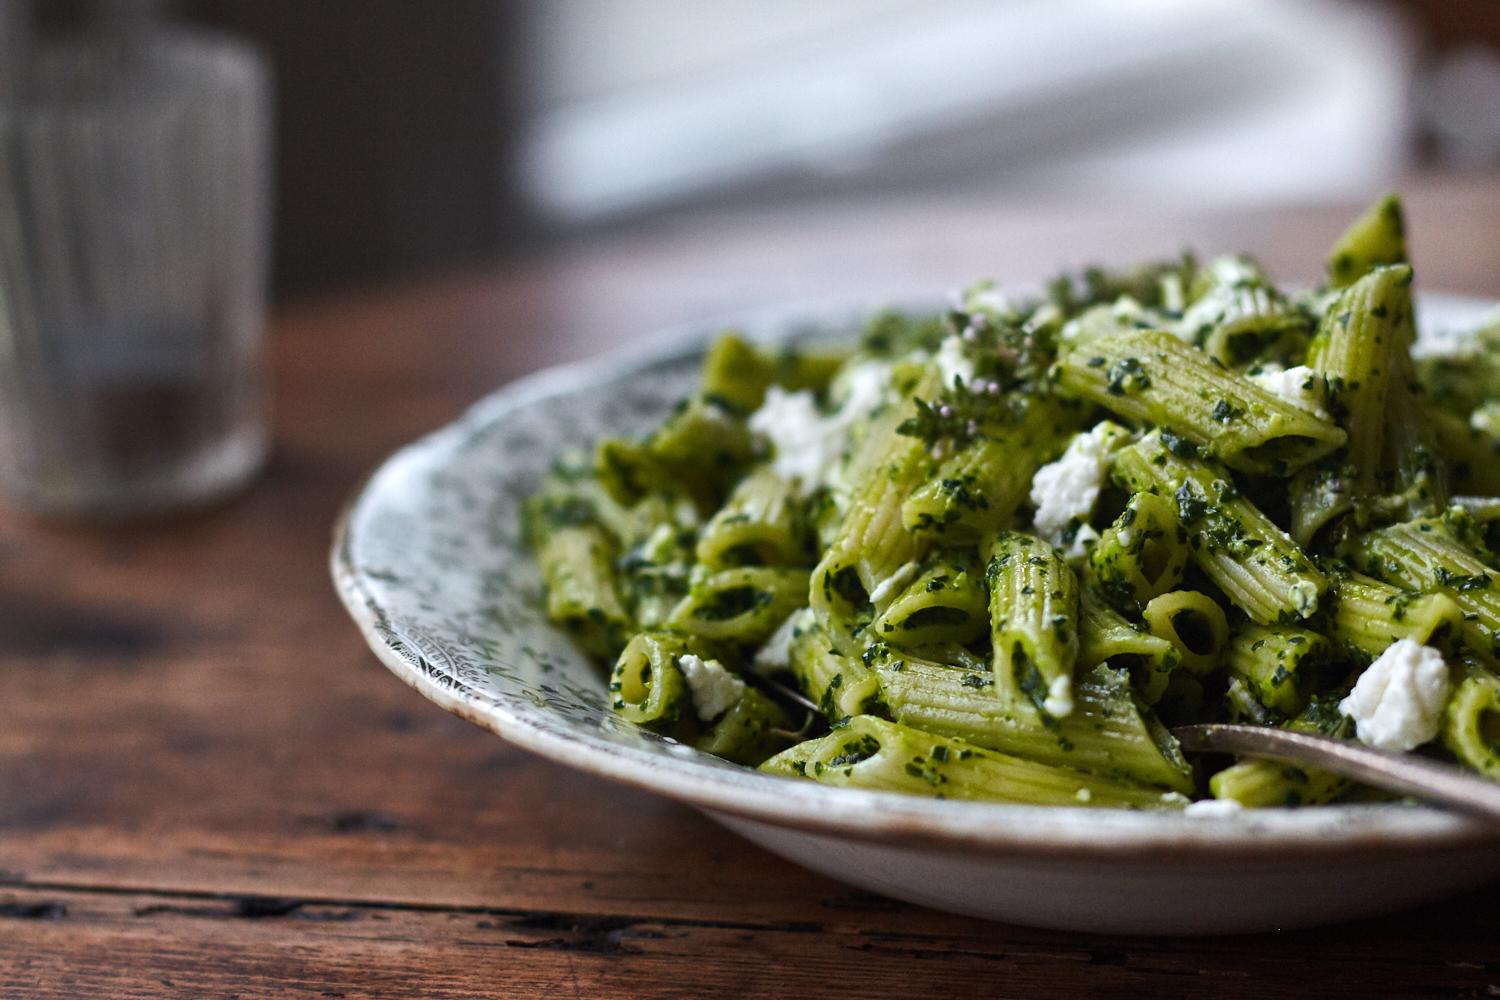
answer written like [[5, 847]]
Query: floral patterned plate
[[429, 561]]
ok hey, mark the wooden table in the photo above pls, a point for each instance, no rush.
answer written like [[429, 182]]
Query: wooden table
[[209, 787]]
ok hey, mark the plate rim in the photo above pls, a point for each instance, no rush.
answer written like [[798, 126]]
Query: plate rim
[[1061, 832]]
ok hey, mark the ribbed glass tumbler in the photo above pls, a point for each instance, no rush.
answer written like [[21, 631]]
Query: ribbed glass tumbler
[[134, 204]]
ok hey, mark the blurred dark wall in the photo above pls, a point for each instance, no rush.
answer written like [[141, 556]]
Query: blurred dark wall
[[394, 132]]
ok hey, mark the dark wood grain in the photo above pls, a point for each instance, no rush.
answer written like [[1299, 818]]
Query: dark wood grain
[[208, 786]]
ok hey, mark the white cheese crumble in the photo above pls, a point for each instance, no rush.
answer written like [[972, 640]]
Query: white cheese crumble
[[715, 690], [1300, 386], [808, 444], [776, 652], [1397, 703], [1213, 807], [892, 585], [1059, 701], [1067, 488], [953, 364]]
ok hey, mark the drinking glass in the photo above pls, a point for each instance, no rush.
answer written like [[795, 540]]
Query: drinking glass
[[134, 203]]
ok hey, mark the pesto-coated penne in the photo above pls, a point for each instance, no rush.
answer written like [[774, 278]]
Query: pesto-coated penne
[[577, 564], [1106, 636], [647, 688], [977, 491], [1239, 548], [737, 373], [760, 524], [1108, 733], [1471, 722], [871, 545], [1194, 624], [1151, 377], [1376, 239], [976, 584], [1271, 784], [1368, 615], [743, 605], [839, 685], [1420, 478], [1033, 623], [945, 602], [749, 732], [1472, 456], [1366, 329], [1263, 784], [1141, 555], [871, 753], [1424, 555], [1237, 317], [1279, 664]]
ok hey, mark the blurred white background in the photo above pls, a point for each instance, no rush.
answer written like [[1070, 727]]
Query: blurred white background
[[632, 106]]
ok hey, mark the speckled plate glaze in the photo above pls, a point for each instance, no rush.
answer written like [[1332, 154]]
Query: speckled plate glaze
[[429, 561]]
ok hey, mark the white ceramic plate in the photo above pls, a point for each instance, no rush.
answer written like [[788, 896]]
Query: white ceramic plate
[[429, 561]]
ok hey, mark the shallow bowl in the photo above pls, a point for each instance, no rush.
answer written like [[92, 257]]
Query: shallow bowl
[[429, 561]]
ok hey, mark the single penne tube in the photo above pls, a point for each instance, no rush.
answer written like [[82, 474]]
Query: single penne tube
[[1106, 636], [1152, 377], [1279, 664], [1471, 721], [1471, 456], [1425, 556], [1192, 622], [1109, 732], [752, 730], [1141, 555], [1363, 334], [1265, 784], [577, 566], [946, 601], [1257, 784], [1237, 317], [839, 685], [647, 688], [760, 524], [1367, 615], [1255, 563], [1420, 478], [1375, 239], [872, 753], [1033, 623], [744, 605]]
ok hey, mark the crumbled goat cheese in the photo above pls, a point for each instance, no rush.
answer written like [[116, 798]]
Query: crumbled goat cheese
[[1213, 807], [892, 585], [953, 364], [1067, 488], [1059, 702], [776, 653], [715, 690], [1397, 703], [808, 444], [1300, 386]]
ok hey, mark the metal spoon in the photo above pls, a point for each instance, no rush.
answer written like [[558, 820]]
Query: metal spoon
[[1403, 773]]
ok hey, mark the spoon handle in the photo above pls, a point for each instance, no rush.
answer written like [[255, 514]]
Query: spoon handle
[[1418, 777]]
